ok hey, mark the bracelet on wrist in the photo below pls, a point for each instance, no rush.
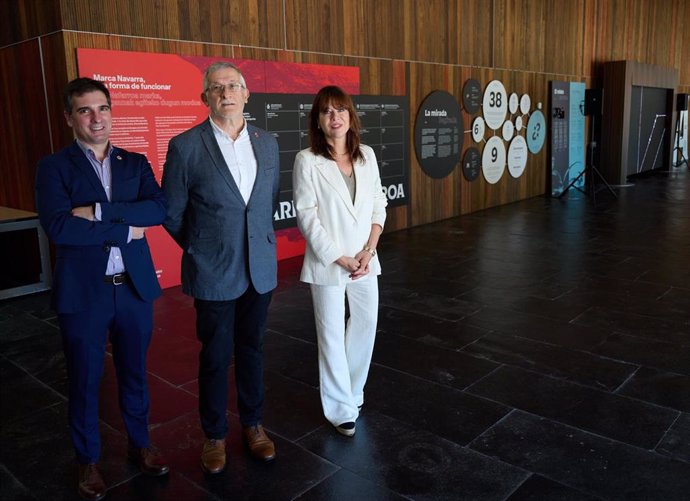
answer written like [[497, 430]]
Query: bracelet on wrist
[[370, 250]]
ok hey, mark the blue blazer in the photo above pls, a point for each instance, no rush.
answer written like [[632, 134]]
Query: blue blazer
[[226, 243], [66, 180]]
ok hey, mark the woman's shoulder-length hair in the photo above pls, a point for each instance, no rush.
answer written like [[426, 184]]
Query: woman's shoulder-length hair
[[334, 96]]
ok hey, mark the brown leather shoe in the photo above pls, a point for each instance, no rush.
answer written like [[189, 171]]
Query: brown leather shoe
[[258, 443], [91, 485], [213, 456], [149, 460]]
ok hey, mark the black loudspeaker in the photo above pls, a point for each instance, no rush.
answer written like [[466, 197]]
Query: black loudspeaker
[[682, 102], [594, 101]]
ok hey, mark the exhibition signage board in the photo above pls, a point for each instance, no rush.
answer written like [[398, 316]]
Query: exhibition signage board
[[157, 96], [472, 164], [502, 114], [383, 127], [576, 132], [500, 129], [472, 96], [560, 111], [439, 134], [567, 135]]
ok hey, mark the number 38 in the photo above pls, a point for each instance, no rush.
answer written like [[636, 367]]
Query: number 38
[[495, 99]]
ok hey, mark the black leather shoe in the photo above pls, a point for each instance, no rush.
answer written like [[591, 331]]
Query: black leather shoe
[[91, 485], [149, 460], [347, 429]]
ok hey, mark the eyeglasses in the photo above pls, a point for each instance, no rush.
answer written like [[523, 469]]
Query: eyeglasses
[[219, 88], [330, 111]]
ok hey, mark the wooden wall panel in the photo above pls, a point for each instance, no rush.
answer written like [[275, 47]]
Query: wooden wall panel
[[315, 25], [646, 31], [380, 76], [442, 31], [543, 36], [654, 41], [611, 32], [25, 136], [256, 23], [563, 40], [53, 48], [519, 34], [402, 47], [637, 30], [287, 56], [476, 32], [682, 49], [430, 31], [21, 20], [383, 39]]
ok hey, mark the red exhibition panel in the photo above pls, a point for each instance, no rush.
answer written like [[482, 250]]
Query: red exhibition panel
[[298, 78], [157, 96]]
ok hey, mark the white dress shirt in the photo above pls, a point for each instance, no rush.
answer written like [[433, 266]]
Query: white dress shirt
[[239, 157]]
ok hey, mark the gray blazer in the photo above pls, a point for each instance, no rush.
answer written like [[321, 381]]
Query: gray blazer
[[226, 244]]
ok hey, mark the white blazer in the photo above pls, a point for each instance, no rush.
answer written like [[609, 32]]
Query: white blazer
[[331, 224]]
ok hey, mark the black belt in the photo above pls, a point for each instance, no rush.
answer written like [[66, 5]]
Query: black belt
[[117, 279]]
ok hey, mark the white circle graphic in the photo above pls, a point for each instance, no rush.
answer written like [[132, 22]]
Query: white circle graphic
[[493, 160], [525, 104], [518, 124], [513, 103], [478, 129], [508, 130], [517, 156], [495, 104]]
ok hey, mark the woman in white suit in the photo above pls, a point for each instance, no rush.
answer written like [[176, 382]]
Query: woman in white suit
[[341, 209]]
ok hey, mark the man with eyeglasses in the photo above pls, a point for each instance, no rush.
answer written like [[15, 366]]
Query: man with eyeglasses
[[221, 178]]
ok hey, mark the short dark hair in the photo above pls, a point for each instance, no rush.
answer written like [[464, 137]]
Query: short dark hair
[[79, 87], [335, 96]]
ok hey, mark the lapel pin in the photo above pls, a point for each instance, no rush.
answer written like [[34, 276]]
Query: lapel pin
[[119, 157], [256, 134]]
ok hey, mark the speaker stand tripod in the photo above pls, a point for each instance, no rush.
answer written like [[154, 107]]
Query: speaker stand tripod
[[680, 157], [589, 172]]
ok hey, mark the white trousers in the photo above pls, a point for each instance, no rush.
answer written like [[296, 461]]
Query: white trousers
[[345, 347]]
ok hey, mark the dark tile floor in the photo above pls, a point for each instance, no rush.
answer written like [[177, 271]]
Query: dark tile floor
[[534, 351]]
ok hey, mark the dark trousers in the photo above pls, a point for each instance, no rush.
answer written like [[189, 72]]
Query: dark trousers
[[120, 311], [223, 327]]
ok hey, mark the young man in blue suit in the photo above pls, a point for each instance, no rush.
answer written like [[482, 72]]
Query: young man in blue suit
[[95, 202], [221, 179]]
